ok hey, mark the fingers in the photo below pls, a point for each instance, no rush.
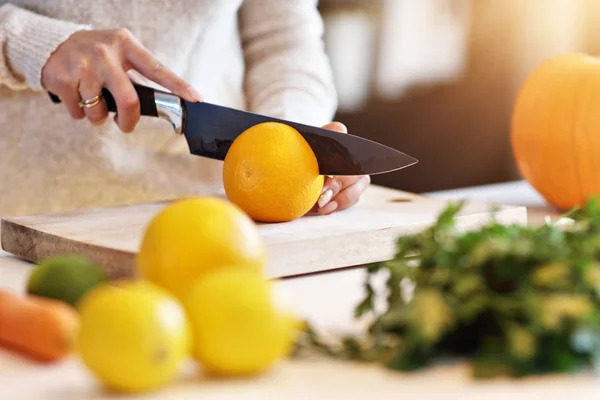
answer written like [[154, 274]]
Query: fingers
[[126, 99], [336, 126], [90, 87], [351, 194], [90, 60], [70, 98], [145, 63], [340, 192], [352, 189], [331, 188], [63, 85]]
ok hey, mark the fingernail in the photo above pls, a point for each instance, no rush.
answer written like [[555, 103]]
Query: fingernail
[[329, 208], [324, 189], [325, 198], [195, 93]]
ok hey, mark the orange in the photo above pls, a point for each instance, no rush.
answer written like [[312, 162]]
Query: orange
[[271, 173], [193, 236], [554, 129]]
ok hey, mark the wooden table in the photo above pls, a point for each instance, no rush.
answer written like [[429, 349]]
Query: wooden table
[[327, 300]]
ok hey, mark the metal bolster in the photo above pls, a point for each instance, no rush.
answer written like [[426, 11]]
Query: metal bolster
[[169, 107]]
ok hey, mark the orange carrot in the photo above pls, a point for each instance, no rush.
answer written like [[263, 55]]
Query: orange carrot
[[41, 328]]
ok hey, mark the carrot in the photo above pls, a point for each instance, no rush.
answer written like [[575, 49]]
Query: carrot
[[41, 328]]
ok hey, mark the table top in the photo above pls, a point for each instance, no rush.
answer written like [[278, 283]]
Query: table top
[[508, 193], [327, 300]]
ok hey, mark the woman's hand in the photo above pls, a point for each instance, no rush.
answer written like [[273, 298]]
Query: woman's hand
[[340, 192], [89, 61]]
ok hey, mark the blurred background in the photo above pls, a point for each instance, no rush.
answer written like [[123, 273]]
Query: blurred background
[[437, 78]]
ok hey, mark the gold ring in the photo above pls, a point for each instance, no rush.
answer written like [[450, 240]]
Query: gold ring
[[91, 102]]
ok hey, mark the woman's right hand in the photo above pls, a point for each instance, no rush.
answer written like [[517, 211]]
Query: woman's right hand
[[89, 61]]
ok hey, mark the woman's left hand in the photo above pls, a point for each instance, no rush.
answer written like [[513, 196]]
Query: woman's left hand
[[340, 192]]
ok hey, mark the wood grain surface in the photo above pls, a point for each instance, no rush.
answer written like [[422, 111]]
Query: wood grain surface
[[362, 234]]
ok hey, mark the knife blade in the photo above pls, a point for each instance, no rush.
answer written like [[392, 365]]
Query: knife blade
[[210, 129]]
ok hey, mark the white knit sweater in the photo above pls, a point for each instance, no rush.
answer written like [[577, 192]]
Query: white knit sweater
[[265, 56]]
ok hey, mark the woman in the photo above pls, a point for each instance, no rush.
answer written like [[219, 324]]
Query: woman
[[264, 56]]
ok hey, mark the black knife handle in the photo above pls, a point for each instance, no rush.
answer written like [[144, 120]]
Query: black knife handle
[[145, 94]]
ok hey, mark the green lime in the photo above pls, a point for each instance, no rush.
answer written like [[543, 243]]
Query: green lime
[[66, 278]]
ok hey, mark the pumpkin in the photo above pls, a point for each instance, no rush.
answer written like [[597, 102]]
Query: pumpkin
[[555, 129]]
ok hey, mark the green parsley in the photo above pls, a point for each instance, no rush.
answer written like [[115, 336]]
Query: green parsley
[[512, 300]]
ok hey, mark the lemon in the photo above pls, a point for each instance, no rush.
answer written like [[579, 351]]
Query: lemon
[[236, 327], [66, 278], [133, 336], [192, 236]]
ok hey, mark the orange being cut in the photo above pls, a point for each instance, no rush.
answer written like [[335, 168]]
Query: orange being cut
[[271, 173]]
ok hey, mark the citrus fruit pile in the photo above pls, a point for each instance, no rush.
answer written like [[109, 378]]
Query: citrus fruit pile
[[199, 293]]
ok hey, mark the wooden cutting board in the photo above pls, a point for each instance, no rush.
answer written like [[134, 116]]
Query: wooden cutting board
[[359, 235]]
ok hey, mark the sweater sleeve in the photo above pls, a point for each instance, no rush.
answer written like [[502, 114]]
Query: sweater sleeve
[[287, 70], [27, 40]]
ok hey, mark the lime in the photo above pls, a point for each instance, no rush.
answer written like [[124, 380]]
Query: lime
[[66, 278], [237, 328], [133, 335]]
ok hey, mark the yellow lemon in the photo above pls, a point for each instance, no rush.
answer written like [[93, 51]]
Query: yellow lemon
[[192, 236], [133, 336], [236, 327]]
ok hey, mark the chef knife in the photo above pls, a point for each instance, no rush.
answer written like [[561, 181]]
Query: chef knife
[[210, 130]]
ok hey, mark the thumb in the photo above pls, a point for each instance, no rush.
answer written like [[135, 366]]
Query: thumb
[[336, 126]]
